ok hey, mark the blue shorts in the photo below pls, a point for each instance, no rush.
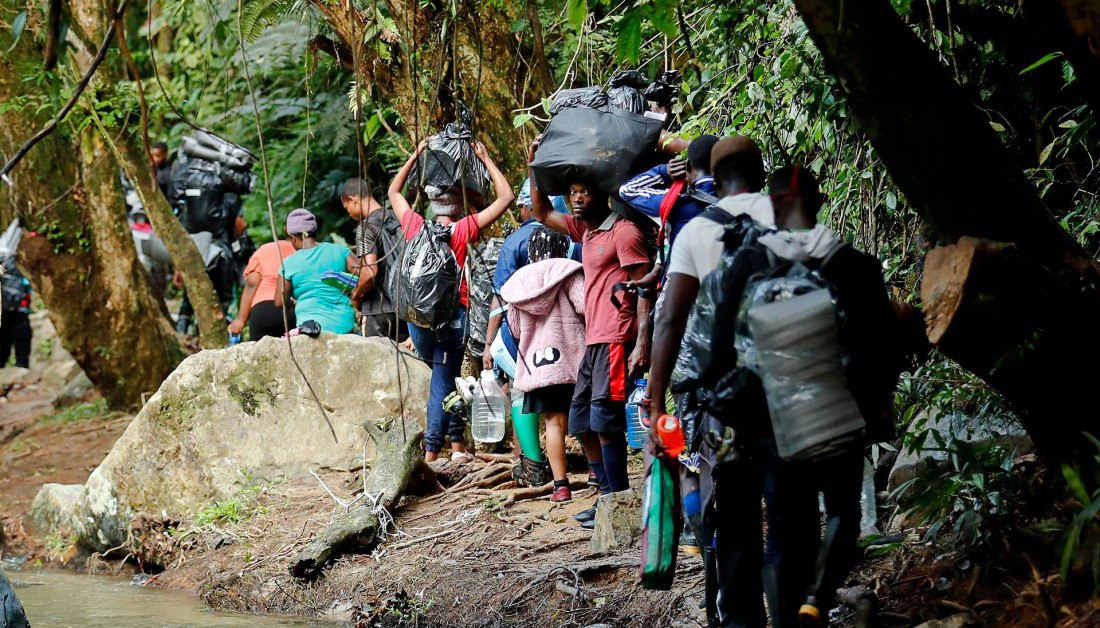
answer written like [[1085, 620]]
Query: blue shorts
[[599, 397]]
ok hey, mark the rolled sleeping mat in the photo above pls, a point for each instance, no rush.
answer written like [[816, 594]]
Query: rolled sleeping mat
[[193, 148], [153, 248], [225, 147]]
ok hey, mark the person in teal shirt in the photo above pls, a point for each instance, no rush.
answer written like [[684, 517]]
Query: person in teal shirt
[[314, 299]]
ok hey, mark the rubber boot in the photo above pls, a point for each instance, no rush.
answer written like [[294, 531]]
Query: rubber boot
[[527, 430]]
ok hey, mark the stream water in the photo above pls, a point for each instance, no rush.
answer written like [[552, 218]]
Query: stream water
[[63, 599]]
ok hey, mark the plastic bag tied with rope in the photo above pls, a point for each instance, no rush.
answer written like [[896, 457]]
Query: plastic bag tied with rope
[[788, 332], [448, 172], [425, 286]]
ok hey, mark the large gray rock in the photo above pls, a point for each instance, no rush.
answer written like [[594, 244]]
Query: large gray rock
[[11, 610], [948, 428], [244, 414], [54, 507], [618, 521]]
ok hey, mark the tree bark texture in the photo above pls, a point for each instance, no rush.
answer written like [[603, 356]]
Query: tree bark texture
[[1014, 323], [81, 257], [942, 153], [474, 58]]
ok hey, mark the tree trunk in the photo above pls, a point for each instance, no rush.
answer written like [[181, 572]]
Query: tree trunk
[[497, 72], [81, 257], [942, 153]]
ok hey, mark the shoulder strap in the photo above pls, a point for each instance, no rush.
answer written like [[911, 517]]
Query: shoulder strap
[[718, 215], [702, 196], [667, 203]]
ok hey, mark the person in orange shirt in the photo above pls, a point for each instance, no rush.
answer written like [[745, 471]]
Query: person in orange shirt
[[261, 303]]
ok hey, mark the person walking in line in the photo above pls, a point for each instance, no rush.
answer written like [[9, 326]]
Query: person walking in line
[[616, 335], [442, 348], [302, 273], [261, 301]]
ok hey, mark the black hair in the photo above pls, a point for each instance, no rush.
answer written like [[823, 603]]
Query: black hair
[[161, 145], [355, 188], [545, 244], [699, 152], [798, 182], [741, 170]]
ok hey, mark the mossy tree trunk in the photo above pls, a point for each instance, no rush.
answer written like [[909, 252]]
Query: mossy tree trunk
[[79, 253]]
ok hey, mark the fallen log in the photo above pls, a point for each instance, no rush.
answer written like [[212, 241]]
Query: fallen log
[[396, 459]]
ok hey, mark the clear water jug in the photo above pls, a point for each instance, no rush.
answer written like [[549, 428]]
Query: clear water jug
[[489, 409], [637, 416]]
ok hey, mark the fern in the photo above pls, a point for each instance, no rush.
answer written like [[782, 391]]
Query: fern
[[257, 15]]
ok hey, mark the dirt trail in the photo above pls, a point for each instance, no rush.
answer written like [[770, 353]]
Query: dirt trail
[[36, 449], [456, 558]]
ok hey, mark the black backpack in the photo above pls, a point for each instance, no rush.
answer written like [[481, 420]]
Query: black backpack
[[12, 290], [424, 288], [392, 241]]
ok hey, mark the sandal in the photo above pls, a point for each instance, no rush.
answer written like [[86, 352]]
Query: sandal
[[462, 457]]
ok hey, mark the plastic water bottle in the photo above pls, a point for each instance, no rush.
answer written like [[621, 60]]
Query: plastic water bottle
[[489, 408], [637, 416], [234, 339], [672, 435]]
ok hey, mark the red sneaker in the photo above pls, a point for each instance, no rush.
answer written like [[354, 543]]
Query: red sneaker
[[562, 494]]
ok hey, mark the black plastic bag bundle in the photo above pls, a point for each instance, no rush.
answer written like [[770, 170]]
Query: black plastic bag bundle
[[591, 97], [665, 89], [601, 147], [424, 287], [482, 265], [449, 167], [625, 91]]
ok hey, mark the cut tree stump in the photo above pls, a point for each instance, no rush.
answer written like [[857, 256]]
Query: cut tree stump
[[396, 459], [1021, 328]]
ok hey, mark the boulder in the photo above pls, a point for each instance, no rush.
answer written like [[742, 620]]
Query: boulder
[[244, 415], [618, 521], [11, 610], [54, 506], [947, 428], [13, 375]]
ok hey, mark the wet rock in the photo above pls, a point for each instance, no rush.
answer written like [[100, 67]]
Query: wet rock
[[11, 610], [948, 428], [618, 521], [960, 620], [75, 389], [233, 417], [54, 507]]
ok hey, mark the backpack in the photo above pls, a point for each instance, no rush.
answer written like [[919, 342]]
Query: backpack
[[788, 332], [13, 292], [424, 290], [392, 239], [481, 264]]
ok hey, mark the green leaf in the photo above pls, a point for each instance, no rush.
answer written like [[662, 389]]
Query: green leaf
[[519, 25], [997, 126], [1045, 155], [1045, 59], [371, 128], [1068, 124], [17, 26], [662, 13], [576, 11], [1075, 483], [629, 45], [521, 120], [891, 201]]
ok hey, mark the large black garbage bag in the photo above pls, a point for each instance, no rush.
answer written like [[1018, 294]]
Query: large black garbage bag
[[450, 165], [592, 97], [600, 147], [424, 287], [625, 91]]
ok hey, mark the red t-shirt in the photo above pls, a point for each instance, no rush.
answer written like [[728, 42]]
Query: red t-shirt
[[608, 250], [463, 231]]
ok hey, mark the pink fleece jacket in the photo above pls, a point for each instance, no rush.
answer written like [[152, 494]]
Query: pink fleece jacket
[[546, 314]]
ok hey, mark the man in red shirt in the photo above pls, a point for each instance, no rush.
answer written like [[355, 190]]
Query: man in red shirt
[[442, 348], [616, 337]]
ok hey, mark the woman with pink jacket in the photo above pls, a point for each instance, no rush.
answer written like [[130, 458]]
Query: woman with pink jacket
[[546, 314]]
